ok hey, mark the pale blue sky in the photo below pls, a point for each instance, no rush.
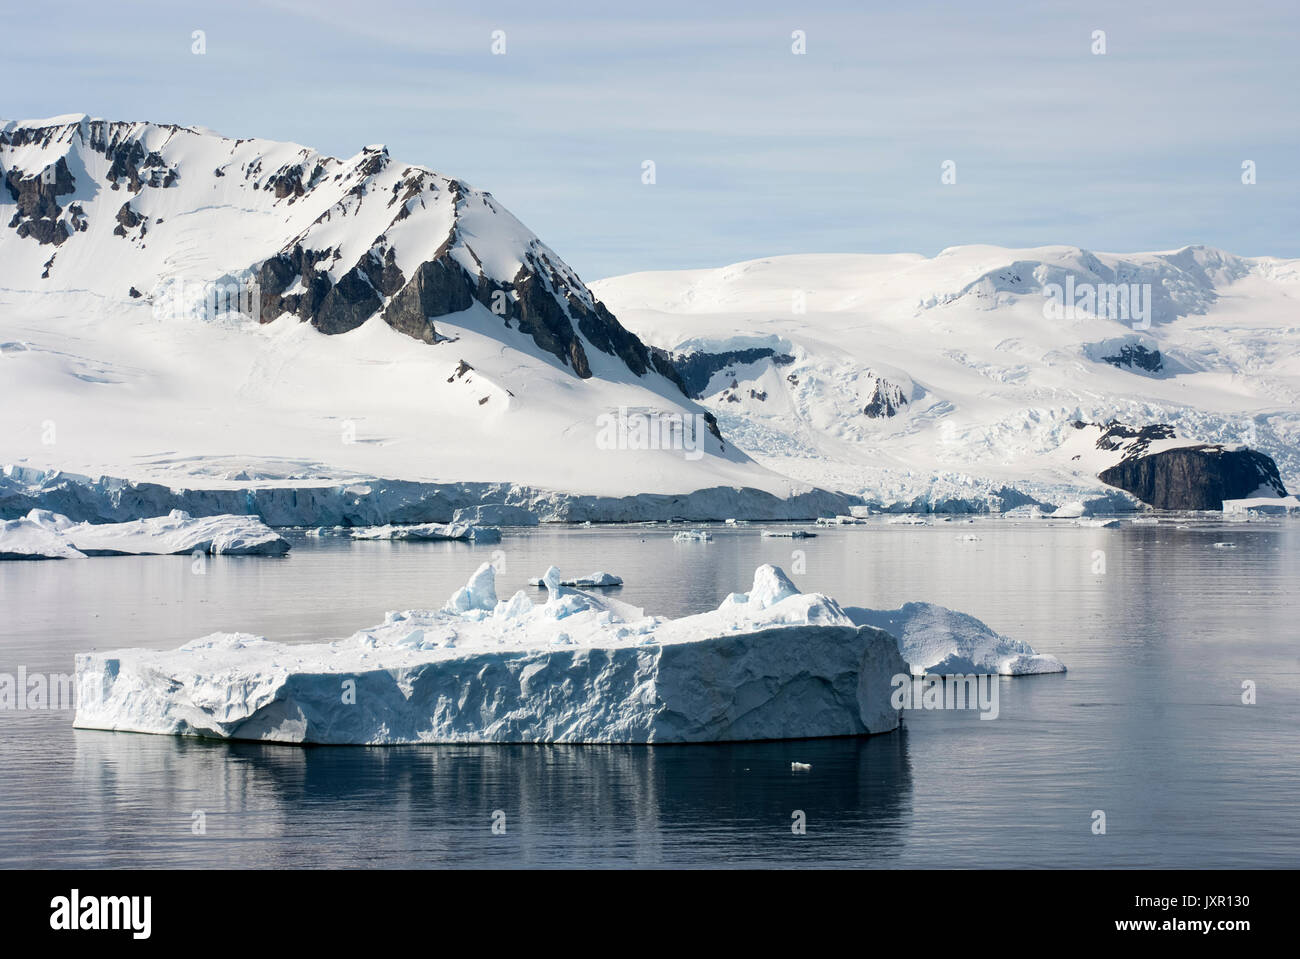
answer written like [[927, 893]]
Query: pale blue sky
[[758, 151]]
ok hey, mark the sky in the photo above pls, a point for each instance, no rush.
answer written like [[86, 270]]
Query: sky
[[757, 150]]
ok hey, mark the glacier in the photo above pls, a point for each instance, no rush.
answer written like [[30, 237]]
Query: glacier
[[372, 501], [945, 384]]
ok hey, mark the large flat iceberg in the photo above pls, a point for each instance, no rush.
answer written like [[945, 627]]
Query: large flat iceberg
[[772, 663], [42, 534]]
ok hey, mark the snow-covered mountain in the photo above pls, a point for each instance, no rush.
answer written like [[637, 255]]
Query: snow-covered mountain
[[180, 306], [199, 311], [945, 379]]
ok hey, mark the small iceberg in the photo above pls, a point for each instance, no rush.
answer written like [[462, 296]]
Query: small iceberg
[[592, 581], [907, 521], [789, 534], [693, 536], [841, 521], [42, 534], [430, 532]]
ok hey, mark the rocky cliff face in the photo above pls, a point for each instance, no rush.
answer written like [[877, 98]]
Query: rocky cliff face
[[1196, 477], [1168, 473]]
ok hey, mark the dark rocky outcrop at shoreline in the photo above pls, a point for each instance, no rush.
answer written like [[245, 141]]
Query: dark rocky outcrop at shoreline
[[1195, 477]]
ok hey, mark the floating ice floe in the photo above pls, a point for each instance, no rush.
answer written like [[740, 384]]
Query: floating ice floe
[[788, 533], [431, 532], [940, 641], [841, 521], [693, 536], [591, 581], [1097, 523], [907, 521], [1225, 545], [772, 663], [46, 535]]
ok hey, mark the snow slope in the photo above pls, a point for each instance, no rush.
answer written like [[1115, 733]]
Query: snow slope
[[386, 321], [938, 381]]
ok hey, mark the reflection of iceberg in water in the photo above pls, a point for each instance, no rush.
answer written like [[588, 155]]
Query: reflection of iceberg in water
[[271, 806]]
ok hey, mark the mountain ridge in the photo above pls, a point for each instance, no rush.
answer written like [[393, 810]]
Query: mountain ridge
[[400, 241]]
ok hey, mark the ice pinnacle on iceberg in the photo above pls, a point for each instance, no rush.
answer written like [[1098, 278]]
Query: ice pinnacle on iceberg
[[480, 593], [771, 585]]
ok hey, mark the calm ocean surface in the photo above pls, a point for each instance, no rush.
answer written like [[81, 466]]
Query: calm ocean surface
[[1148, 725]]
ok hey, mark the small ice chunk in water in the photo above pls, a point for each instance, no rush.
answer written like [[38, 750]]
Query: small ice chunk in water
[[800, 767]]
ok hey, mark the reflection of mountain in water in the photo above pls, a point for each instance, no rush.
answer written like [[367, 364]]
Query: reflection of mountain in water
[[434, 805]]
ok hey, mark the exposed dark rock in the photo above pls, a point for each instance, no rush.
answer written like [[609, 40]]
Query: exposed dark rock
[[437, 288], [135, 294], [696, 369], [886, 399], [382, 271], [662, 361], [1137, 356], [37, 196], [1135, 441], [1195, 477], [347, 305], [711, 422], [544, 319], [127, 219], [287, 181]]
